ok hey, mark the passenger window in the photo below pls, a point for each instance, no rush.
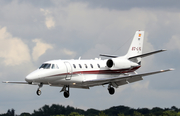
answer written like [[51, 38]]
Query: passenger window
[[80, 66], [98, 65], [85, 65], [91, 65], [74, 65]]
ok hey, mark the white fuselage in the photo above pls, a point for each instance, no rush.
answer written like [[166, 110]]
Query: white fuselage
[[75, 72], [113, 72]]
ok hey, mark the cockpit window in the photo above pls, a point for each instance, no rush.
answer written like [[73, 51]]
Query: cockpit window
[[45, 66], [53, 66], [41, 66], [48, 66]]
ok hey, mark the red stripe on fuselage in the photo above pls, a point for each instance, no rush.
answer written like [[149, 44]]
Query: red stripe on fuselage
[[116, 71]]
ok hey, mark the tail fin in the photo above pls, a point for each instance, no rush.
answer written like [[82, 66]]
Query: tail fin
[[136, 46]]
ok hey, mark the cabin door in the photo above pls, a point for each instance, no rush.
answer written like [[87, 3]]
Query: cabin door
[[69, 70]]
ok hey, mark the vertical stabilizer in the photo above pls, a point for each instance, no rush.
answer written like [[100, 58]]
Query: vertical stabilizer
[[136, 46]]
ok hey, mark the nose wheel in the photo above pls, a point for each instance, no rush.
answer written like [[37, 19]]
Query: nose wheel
[[38, 92]]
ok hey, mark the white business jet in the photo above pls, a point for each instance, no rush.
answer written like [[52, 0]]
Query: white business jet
[[114, 72]]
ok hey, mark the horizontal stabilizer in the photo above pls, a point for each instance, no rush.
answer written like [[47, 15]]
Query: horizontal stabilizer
[[146, 54], [106, 55]]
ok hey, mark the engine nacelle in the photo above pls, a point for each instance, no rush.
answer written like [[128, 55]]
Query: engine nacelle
[[109, 63], [120, 63]]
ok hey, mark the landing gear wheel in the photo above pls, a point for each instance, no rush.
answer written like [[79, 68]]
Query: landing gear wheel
[[66, 94], [111, 90], [38, 92]]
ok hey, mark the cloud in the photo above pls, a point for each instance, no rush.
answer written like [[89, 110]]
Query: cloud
[[126, 5], [12, 49], [76, 28], [138, 86], [68, 52], [40, 48], [174, 43], [50, 23], [96, 50]]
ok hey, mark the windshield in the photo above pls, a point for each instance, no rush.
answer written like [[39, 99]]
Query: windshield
[[49, 66], [45, 66]]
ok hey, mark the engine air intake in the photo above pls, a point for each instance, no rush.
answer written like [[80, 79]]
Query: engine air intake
[[109, 63]]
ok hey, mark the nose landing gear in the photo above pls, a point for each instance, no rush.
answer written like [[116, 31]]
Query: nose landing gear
[[38, 92]]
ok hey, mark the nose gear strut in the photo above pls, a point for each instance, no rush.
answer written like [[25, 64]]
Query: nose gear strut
[[38, 92]]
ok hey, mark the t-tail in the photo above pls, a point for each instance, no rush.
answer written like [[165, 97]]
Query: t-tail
[[136, 47], [135, 50], [134, 53]]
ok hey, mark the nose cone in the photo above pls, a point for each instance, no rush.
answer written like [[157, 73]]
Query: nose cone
[[29, 78], [32, 76]]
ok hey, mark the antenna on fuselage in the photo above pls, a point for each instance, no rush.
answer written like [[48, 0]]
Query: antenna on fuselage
[[79, 58]]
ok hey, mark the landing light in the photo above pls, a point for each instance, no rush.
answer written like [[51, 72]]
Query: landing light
[[74, 83]]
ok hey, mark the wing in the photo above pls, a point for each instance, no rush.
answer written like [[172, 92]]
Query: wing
[[21, 82], [121, 80], [16, 82]]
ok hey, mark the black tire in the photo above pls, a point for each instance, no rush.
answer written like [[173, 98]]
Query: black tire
[[66, 94], [38, 92], [111, 90]]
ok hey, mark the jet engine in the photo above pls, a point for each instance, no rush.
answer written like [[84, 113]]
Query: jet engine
[[120, 63], [109, 63]]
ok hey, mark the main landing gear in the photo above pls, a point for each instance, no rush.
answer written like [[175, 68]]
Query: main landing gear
[[111, 89], [66, 91]]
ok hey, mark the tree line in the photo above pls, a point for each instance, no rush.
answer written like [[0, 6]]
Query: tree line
[[59, 110]]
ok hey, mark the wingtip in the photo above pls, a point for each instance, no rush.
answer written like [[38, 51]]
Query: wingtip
[[5, 81], [164, 50], [171, 69]]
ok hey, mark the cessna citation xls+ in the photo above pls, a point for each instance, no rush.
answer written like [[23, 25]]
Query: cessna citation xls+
[[115, 71]]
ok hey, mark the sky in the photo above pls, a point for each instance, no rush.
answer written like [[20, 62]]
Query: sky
[[32, 32]]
